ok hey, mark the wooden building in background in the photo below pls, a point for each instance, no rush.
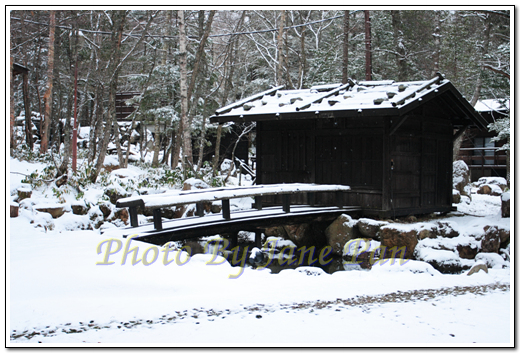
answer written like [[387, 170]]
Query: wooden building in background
[[481, 154], [391, 142]]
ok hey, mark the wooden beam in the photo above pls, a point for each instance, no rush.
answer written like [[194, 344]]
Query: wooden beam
[[258, 202], [226, 212], [133, 216], [286, 203], [200, 209], [258, 238], [157, 219], [397, 124]]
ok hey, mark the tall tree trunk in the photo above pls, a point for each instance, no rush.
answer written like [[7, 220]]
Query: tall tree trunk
[[400, 56], [118, 19], [346, 30], [485, 48], [25, 86], [280, 49], [11, 120], [436, 43], [187, 157], [44, 129], [368, 47]]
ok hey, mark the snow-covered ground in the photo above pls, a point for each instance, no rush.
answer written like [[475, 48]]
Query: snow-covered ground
[[58, 293]]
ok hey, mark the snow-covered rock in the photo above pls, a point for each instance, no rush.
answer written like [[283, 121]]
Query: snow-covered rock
[[460, 176], [492, 260], [499, 181], [339, 232], [506, 207], [489, 189], [444, 261]]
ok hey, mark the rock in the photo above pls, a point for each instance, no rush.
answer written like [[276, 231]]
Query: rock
[[456, 196], [427, 230], [460, 176], [491, 241], [106, 209], [122, 214], [23, 193], [276, 232], [369, 228], [492, 260], [79, 209], [216, 207], [445, 229], [498, 181], [398, 236], [476, 268], [339, 232], [467, 251], [506, 210], [96, 217], [444, 261], [55, 211], [305, 235], [489, 189], [193, 184], [14, 209], [62, 180], [115, 193]]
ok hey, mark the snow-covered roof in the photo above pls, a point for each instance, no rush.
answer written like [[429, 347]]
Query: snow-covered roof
[[361, 97], [492, 105]]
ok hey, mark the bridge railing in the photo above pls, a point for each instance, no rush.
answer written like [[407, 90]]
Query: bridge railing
[[225, 194]]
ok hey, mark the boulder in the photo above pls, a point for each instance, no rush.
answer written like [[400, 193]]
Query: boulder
[[278, 232], [489, 189], [106, 209], [14, 210], [498, 181], [399, 236], [506, 210], [369, 228], [305, 234], [478, 267], [444, 261], [445, 229], [62, 180], [96, 217], [467, 251], [491, 260], [193, 184], [115, 193], [79, 209], [23, 193], [339, 232], [456, 196], [460, 176], [55, 210], [491, 241], [121, 214], [216, 207]]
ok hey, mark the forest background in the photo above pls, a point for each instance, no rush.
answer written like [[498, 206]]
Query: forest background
[[184, 64]]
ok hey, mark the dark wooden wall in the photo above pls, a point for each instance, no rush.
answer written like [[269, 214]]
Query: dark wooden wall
[[360, 152]]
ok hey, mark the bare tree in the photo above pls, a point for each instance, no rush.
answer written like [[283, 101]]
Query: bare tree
[[48, 94]]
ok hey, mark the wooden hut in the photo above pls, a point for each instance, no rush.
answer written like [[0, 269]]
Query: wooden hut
[[391, 142]]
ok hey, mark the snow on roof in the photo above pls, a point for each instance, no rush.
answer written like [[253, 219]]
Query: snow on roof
[[490, 105], [351, 96]]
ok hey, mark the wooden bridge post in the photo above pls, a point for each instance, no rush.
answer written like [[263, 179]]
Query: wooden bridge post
[[157, 219], [258, 202], [226, 212], [234, 239], [286, 203], [133, 216], [338, 197], [200, 209]]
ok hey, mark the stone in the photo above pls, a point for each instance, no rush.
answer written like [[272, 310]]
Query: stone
[[14, 210], [115, 193], [398, 236], [491, 260], [456, 196], [506, 209], [445, 229], [491, 241], [370, 228], [106, 209], [467, 251], [498, 181], [489, 189], [62, 180], [339, 232], [444, 261], [122, 214], [460, 176], [96, 217], [278, 232], [305, 234], [476, 268], [79, 209], [23, 193], [55, 211], [193, 184]]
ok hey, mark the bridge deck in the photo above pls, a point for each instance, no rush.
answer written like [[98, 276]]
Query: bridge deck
[[252, 220]]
